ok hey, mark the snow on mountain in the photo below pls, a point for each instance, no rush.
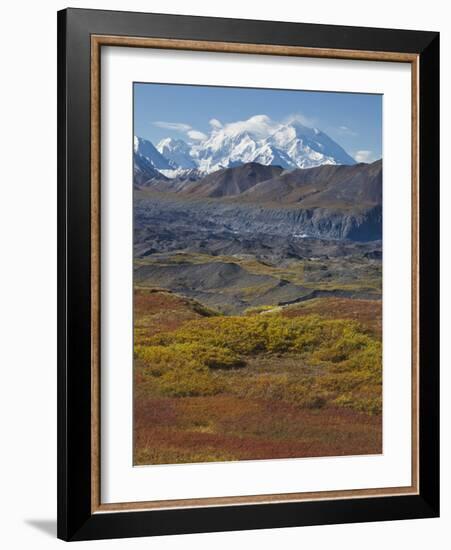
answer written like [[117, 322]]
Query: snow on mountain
[[290, 145], [148, 151], [222, 150], [144, 171], [308, 147], [177, 151]]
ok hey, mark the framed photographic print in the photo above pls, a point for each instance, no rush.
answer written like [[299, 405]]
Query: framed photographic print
[[248, 274]]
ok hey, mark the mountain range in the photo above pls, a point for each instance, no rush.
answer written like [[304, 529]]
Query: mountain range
[[293, 181], [338, 187], [289, 146], [330, 201]]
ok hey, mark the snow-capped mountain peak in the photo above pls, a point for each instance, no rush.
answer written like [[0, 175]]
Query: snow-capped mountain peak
[[178, 152], [258, 139], [148, 151]]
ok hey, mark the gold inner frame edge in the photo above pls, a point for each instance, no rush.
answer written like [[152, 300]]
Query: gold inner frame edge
[[97, 41]]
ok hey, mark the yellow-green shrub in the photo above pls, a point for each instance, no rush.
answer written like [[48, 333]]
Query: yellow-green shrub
[[261, 333], [369, 405], [185, 361], [178, 370]]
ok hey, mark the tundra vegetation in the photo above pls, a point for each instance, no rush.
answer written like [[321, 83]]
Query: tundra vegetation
[[299, 380], [257, 313]]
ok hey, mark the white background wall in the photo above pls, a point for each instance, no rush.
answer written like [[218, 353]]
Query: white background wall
[[28, 272]]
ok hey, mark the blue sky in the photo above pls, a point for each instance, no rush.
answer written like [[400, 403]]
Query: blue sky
[[189, 112]]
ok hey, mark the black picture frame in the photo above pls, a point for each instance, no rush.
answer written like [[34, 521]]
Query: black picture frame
[[75, 518]]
